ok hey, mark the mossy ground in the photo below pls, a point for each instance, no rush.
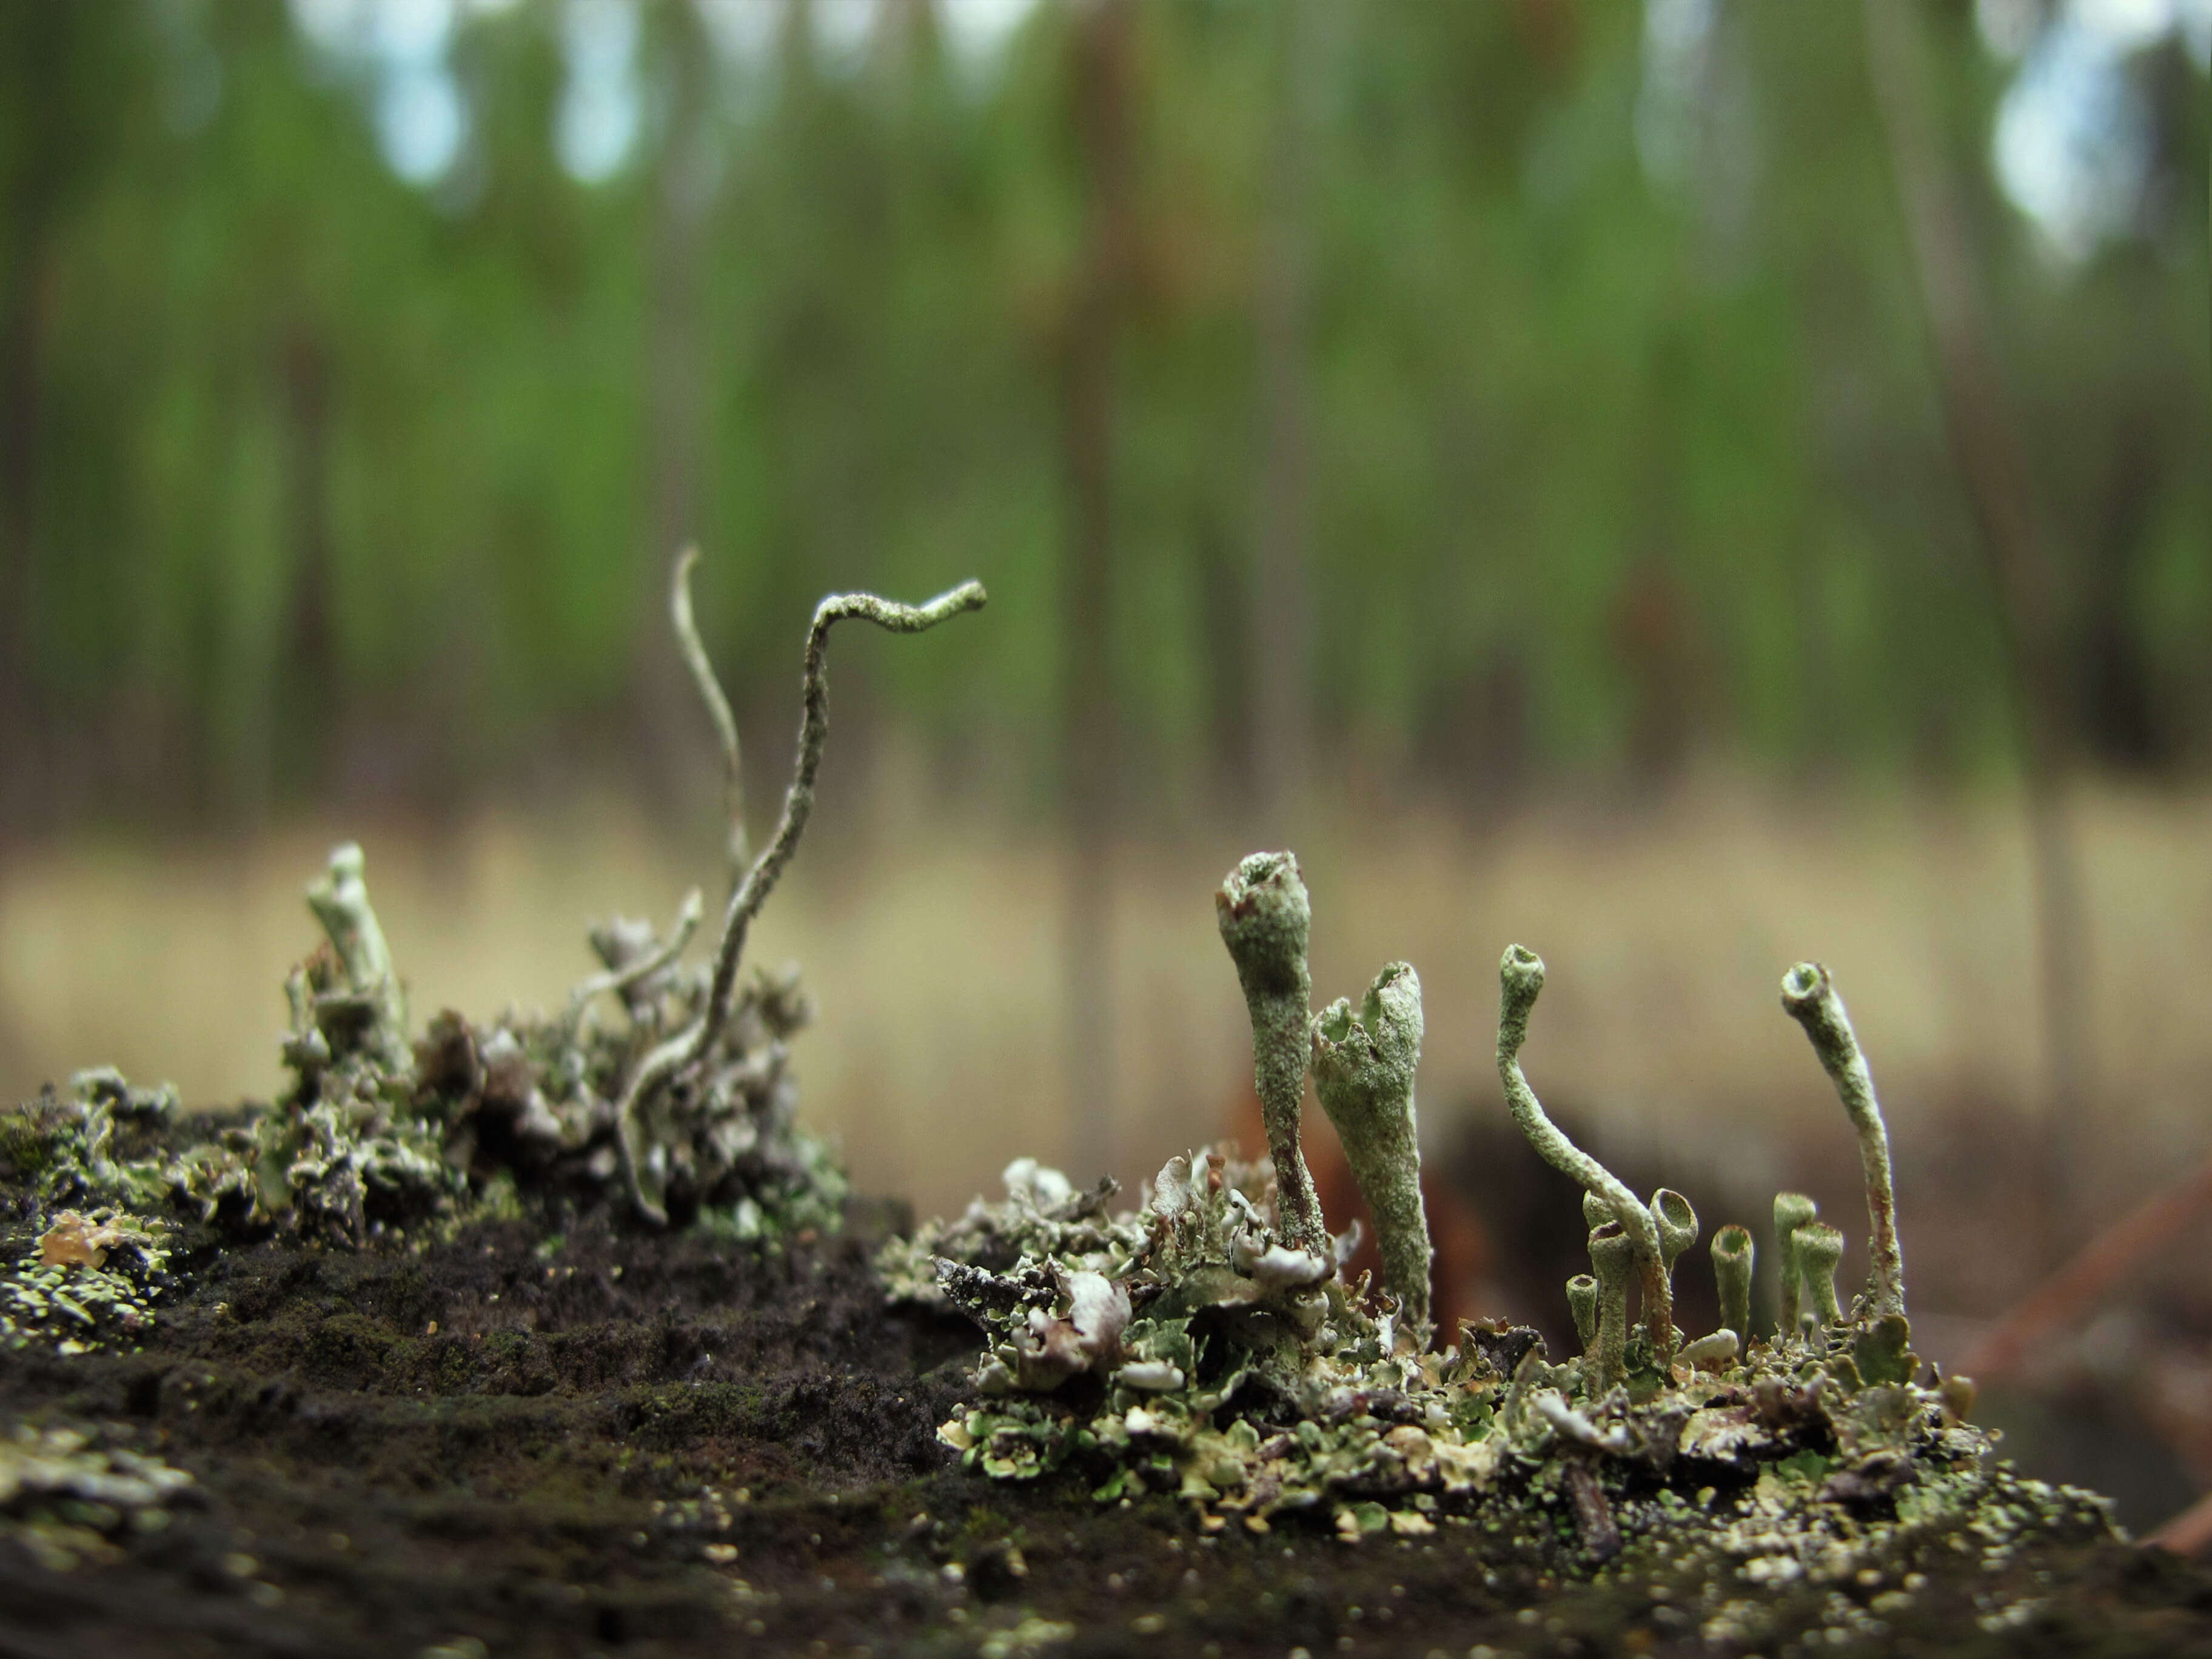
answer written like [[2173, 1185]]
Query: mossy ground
[[622, 1443]]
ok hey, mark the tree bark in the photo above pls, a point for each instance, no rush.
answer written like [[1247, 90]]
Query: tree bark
[[1279, 640], [670, 731], [43, 41]]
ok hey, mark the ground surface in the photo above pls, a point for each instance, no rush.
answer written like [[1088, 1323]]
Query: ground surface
[[501, 1443]]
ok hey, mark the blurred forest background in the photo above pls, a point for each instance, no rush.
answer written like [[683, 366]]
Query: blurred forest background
[[1689, 485]]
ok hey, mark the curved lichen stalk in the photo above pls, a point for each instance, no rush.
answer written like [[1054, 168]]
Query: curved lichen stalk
[[1809, 996], [798, 799], [718, 708], [688, 1048], [1521, 979]]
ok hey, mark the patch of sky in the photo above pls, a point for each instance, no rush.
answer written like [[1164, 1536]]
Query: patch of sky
[[1677, 46], [843, 31], [399, 50], [596, 125], [977, 32], [2071, 142], [744, 34], [2071, 145]]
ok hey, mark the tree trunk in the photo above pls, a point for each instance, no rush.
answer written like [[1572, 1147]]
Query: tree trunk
[[1100, 87], [673, 740], [1280, 637], [2023, 583], [37, 123]]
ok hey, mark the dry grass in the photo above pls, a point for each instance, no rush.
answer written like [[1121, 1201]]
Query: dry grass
[[935, 956]]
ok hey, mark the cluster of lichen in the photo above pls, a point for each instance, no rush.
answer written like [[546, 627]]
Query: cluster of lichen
[[662, 1087], [1206, 1345], [88, 1281]]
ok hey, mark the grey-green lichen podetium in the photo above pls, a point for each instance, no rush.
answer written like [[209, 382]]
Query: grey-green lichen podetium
[[662, 1089], [1362, 1069], [1734, 1256], [1613, 1257], [1678, 1230], [1791, 1211], [1820, 1252], [1191, 1348], [1265, 918], [339, 898], [1809, 997], [1182, 1349], [1520, 981]]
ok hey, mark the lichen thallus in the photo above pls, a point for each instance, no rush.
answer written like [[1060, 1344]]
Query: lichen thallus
[[1363, 1065], [1209, 1344]]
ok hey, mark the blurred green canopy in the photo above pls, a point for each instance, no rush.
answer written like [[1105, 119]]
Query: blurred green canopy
[[365, 363]]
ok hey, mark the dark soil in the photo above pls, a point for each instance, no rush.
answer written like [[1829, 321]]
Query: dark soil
[[649, 1445]]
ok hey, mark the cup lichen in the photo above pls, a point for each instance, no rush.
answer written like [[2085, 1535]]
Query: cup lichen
[[1363, 1070], [1791, 1211], [1581, 1306], [1820, 1252], [1265, 918], [1250, 1380], [1733, 1257]]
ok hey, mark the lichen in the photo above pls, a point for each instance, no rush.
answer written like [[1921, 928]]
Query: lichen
[[86, 1282], [68, 1500], [662, 1087], [1192, 1347]]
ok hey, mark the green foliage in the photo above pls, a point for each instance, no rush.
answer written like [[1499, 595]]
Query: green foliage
[[1604, 461]]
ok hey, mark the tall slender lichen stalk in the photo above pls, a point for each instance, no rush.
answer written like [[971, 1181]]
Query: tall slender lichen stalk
[[1265, 918], [1363, 1070], [1791, 1211], [1521, 979], [1809, 996], [688, 1049], [718, 709], [1734, 1255]]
